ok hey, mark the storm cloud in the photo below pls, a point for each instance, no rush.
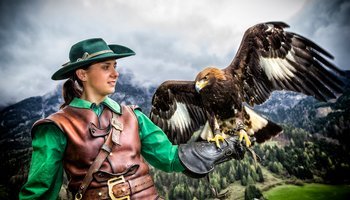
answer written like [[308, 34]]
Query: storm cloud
[[172, 39]]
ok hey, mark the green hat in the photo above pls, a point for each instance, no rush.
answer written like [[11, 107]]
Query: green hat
[[89, 51]]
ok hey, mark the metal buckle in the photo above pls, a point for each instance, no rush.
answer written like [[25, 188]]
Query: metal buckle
[[115, 181], [78, 196]]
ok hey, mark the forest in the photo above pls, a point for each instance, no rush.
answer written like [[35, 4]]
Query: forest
[[296, 157]]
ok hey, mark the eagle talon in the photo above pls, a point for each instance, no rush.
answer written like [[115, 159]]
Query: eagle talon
[[216, 139], [243, 134]]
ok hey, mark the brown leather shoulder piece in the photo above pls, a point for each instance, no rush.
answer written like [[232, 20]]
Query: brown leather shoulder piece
[[50, 119], [63, 118]]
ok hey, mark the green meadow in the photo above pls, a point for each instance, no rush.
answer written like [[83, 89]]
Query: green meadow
[[309, 192]]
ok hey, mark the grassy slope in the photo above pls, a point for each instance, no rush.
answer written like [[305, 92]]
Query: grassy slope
[[309, 192], [236, 190], [290, 192]]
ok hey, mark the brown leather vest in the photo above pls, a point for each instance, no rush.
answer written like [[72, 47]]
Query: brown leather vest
[[86, 132]]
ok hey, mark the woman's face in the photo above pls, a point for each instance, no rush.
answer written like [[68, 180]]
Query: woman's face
[[100, 78]]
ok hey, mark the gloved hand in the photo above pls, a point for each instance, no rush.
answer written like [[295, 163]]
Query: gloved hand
[[200, 158]]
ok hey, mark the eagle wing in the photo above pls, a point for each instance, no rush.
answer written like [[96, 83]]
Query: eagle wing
[[270, 58], [177, 109]]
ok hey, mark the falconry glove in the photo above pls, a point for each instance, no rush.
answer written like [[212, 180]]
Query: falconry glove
[[200, 158]]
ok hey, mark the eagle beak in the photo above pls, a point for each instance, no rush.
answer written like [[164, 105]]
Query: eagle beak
[[200, 85]]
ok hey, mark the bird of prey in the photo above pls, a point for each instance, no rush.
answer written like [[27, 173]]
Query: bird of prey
[[218, 102]]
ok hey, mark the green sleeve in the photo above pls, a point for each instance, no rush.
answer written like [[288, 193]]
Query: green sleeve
[[156, 147], [46, 169]]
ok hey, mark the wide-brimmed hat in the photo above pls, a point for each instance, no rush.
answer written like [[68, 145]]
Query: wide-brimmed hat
[[90, 51]]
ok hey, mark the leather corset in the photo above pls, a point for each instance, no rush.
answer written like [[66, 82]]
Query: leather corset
[[86, 132]]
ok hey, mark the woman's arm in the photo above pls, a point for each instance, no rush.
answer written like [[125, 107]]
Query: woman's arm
[[156, 147], [197, 158], [46, 169]]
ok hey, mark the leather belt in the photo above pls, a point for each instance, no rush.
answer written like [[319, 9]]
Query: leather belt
[[118, 188]]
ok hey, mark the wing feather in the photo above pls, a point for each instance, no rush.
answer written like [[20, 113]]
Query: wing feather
[[177, 109], [271, 58], [264, 129]]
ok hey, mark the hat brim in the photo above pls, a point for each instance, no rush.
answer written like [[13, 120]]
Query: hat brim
[[67, 70]]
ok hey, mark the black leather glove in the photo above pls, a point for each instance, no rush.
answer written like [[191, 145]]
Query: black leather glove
[[200, 158]]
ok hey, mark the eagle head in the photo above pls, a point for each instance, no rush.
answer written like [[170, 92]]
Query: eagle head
[[208, 77]]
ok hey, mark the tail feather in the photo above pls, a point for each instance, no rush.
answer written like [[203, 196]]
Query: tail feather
[[263, 129], [267, 132]]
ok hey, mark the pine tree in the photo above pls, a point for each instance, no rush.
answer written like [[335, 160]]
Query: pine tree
[[254, 175], [260, 174], [252, 192], [239, 173], [250, 180], [224, 183], [244, 181], [231, 175]]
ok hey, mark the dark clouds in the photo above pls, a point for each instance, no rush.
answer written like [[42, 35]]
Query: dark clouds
[[327, 23], [172, 40]]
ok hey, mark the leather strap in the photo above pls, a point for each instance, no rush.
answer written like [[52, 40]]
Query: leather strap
[[127, 188], [103, 176], [95, 166]]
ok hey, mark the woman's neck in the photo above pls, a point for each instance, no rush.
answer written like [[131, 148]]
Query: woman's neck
[[92, 98]]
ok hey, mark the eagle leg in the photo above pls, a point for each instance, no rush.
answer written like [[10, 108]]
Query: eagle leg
[[218, 136], [243, 134]]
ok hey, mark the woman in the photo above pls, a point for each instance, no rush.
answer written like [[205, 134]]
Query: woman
[[101, 144]]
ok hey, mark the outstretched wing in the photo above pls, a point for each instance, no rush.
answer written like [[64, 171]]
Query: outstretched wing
[[270, 58], [177, 109]]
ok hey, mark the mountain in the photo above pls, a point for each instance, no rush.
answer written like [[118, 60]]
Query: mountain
[[323, 119], [129, 94], [279, 104], [303, 111], [2, 107]]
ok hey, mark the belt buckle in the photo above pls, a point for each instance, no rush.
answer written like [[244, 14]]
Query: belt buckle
[[115, 181]]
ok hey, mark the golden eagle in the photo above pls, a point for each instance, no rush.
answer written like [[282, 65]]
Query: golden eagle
[[268, 59]]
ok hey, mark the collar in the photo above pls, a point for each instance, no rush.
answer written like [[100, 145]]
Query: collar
[[110, 103]]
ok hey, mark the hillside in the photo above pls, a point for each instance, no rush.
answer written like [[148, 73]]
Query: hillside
[[313, 147]]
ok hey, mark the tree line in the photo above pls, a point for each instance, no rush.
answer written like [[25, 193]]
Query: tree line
[[302, 156]]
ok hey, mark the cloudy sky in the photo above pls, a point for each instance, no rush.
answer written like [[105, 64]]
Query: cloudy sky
[[172, 39]]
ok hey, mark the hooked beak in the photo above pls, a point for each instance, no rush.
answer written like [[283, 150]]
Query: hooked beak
[[200, 85]]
